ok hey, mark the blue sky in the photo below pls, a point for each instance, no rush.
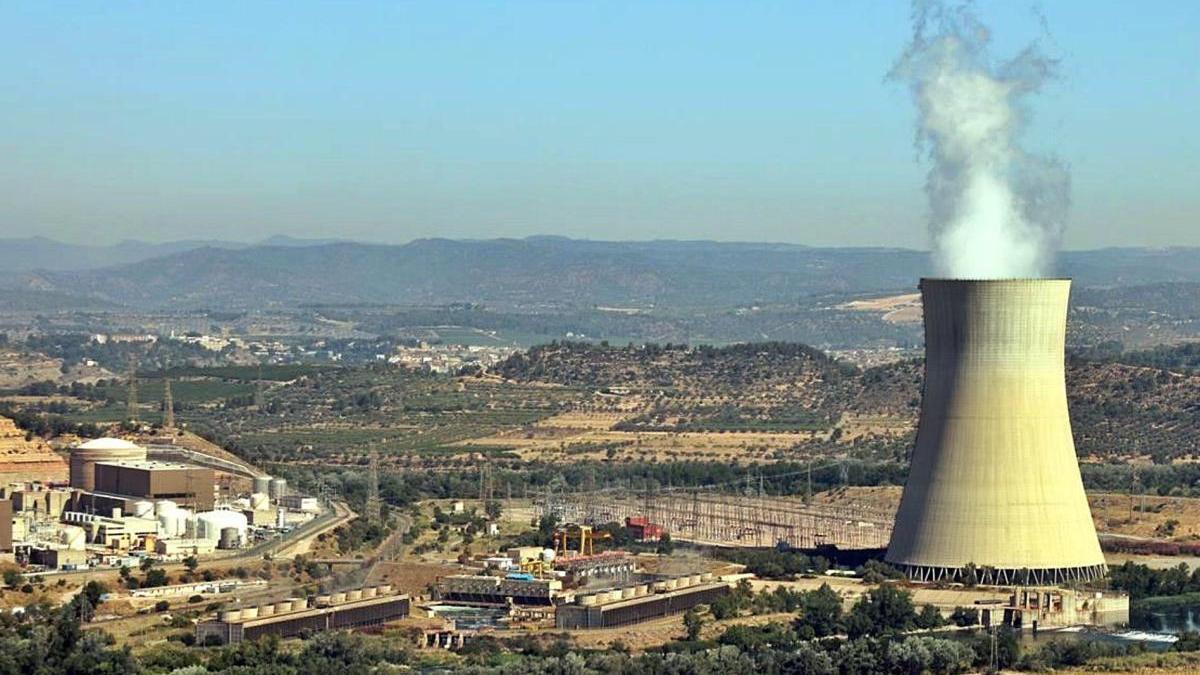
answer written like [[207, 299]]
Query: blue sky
[[694, 120]]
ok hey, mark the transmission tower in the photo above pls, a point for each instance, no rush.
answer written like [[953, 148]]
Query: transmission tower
[[374, 505], [258, 390], [132, 401], [168, 406]]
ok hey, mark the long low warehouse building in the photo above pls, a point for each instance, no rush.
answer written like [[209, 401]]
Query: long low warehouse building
[[591, 612], [372, 606]]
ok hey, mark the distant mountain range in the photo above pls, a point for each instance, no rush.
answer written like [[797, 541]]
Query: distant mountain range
[[39, 253], [531, 273]]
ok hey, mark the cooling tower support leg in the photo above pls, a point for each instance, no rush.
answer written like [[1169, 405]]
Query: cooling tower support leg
[[1005, 577]]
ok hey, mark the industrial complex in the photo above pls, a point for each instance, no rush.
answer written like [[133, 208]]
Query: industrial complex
[[121, 501]]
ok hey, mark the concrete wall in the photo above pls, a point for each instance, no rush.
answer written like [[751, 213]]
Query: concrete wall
[[6, 523]]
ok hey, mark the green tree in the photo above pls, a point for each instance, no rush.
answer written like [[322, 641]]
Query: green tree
[[884, 610], [821, 611], [665, 545], [693, 623]]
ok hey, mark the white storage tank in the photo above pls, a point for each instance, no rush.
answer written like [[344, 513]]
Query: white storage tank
[[173, 523], [143, 509], [370, 592], [351, 596], [259, 501], [548, 555], [627, 593], [72, 536], [164, 506], [385, 589], [339, 598], [586, 600], [266, 610], [283, 607], [324, 600], [208, 524], [278, 488], [250, 613], [231, 615], [262, 484]]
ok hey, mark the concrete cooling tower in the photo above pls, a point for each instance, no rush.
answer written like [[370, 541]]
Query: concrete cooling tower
[[994, 480]]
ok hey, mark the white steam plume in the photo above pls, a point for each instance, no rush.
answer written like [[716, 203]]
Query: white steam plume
[[996, 211]]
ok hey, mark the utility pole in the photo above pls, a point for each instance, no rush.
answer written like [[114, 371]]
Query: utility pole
[[808, 490], [258, 390], [131, 401], [1132, 491], [168, 406], [374, 506]]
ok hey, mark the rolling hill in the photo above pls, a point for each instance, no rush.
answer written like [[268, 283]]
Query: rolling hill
[[543, 272]]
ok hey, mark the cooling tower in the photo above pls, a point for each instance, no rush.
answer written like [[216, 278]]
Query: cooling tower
[[994, 480]]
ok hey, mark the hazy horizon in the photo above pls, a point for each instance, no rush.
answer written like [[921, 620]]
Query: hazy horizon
[[388, 123]]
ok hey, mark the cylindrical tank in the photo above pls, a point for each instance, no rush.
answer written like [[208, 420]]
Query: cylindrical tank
[[707, 577], [324, 600], [627, 593], [351, 596], [229, 538], [694, 580], [173, 524], [262, 484], [586, 600], [385, 589], [339, 598], [672, 584], [143, 509], [277, 488], [250, 613], [266, 610], [164, 506], [73, 537], [994, 480], [548, 555], [660, 587], [283, 606], [370, 592], [210, 523], [641, 589], [85, 456], [259, 501], [231, 615]]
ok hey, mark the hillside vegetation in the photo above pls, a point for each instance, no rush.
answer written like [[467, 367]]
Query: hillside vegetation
[[1117, 409]]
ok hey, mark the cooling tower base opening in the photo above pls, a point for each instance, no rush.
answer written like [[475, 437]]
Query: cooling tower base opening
[[991, 576]]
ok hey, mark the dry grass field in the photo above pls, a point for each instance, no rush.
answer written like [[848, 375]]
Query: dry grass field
[[585, 435], [898, 309]]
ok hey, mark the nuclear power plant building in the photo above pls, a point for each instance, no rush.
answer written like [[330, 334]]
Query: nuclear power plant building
[[994, 481]]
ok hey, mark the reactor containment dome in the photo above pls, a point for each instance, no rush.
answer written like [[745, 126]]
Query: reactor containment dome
[[994, 483]]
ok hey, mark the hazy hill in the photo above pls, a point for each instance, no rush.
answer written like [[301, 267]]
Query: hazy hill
[[27, 254], [1117, 409], [537, 272]]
